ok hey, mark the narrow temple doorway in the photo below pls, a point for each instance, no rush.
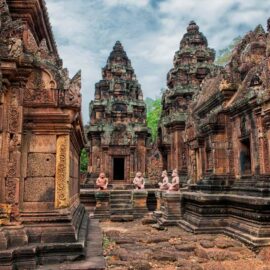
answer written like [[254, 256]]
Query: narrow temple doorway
[[245, 157], [119, 168]]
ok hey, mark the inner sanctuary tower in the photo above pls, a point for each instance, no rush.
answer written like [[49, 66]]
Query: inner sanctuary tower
[[118, 135]]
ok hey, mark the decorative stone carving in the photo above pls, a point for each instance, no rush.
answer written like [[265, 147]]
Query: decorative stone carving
[[62, 172], [15, 47], [139, 181], [164, 185], [5, 211], [174, 185], [72, 97], [11, 190], [102, 182], [14, 119], [40, 89]]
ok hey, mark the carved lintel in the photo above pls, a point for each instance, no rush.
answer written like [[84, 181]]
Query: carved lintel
[[62, 172], [5, 212]]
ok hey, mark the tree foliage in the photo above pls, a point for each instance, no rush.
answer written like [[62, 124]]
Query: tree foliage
[[84, 161], [225, 54], [153, 115]]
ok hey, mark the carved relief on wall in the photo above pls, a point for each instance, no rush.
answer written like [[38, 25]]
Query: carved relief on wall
[[62, 172], [14, 155], [155, 166], [71, 96], [15, 47], [30, 42], [5, 211], [40, 89], [11, 190], [243, 126], [14, 119]]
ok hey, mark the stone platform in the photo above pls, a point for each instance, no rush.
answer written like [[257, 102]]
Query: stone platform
[[246, 218], [24, 252], [119, 204], [94, 259]]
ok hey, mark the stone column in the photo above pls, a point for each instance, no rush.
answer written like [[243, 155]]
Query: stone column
[[139, 203]]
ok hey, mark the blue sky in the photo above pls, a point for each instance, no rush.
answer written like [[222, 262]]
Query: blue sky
[[150, 31]]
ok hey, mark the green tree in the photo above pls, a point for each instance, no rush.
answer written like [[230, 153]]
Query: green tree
[[224, 55], [153, 116], [84, 161]]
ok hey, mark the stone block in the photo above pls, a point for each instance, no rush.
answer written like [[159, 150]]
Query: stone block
[[171, 211], [39, 189], [43, 144], [139, 203], [40, 164]]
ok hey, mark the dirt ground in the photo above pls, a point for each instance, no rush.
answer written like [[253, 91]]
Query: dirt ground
[[133, 245]]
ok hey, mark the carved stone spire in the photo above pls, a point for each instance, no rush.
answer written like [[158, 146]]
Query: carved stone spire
[[118, 54]]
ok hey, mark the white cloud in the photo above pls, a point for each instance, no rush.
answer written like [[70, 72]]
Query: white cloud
[[138, 3], [150, 31]]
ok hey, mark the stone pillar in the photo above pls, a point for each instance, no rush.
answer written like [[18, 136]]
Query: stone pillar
[[102, 209], [139, 203], [172, 209], [62, 197]]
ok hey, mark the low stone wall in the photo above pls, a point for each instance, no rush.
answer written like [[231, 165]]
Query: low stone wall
[[246, 218]]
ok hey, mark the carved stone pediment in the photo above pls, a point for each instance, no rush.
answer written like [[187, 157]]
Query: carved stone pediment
[[40, 89], [72, 97]]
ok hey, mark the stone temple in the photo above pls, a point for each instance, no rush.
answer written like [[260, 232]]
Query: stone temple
[[191, 64], [118, 134], [213, 134]]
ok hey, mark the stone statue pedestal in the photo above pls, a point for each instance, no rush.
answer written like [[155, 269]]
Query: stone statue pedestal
[[102, 209], [158, 213], [140, 203], [171, 210]]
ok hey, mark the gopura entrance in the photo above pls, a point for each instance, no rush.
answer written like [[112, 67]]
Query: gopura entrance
[[118, 168]]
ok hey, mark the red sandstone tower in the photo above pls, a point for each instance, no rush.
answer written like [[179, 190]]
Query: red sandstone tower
[[118, 135], [192, 63]]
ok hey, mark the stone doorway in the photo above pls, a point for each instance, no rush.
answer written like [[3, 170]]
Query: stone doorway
[[245, 157], [119, 168]]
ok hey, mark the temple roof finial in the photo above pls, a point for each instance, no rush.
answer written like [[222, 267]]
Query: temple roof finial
[[192, 27]]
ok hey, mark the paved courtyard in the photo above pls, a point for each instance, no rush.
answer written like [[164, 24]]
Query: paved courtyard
[[133, 245]]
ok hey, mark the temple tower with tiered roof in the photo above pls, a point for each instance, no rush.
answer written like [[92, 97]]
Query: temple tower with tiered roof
[[118, 135], [191, 64]]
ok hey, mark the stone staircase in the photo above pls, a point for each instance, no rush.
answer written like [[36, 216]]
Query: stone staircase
[[121, 208]]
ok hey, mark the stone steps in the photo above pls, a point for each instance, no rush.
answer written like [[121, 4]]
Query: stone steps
[[93, 258], [121, 208], [120, 218], [118, 211]]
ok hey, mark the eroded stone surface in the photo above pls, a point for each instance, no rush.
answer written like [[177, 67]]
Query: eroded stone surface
[[39, 189], [41, 164], [175, 249]]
